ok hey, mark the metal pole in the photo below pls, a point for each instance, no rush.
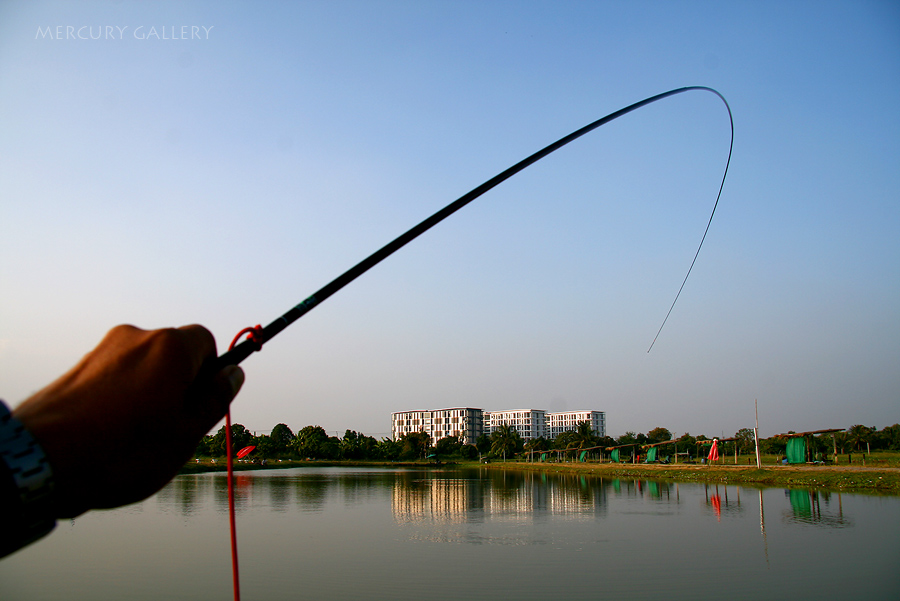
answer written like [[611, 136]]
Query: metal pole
[[756, 434]]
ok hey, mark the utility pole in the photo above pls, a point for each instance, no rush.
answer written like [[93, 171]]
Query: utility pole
[[756, 433]]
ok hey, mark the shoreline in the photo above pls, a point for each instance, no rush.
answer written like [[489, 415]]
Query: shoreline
[[843, 478], [871, 480]]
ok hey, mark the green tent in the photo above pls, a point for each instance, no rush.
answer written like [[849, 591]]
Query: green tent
[[583, 455], [651, 455], [543, 456], [614, 456], [796, 450]]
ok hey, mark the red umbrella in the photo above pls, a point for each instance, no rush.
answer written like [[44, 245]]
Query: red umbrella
[[246, 451], [713, 452]]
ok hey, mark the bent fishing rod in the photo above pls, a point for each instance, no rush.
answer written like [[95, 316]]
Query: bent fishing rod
[[260, 335]]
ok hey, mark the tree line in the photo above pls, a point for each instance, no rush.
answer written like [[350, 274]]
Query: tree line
[[313, 442]]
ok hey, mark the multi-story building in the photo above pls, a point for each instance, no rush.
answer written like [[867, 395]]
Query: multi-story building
[[465, 422], [469, 423], [557, 423], [530, 423]]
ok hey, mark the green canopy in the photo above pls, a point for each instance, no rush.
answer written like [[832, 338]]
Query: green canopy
[[651, 454], [543, 456], [796, 450], [582, 456], [614, 456]]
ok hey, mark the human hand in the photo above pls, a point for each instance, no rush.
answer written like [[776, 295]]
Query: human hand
[[119, 425]]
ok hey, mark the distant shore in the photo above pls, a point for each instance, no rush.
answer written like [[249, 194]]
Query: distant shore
[[881, 480], [829, 477], [203, 467]]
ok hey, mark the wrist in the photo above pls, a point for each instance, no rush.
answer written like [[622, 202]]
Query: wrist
[[26, 486]]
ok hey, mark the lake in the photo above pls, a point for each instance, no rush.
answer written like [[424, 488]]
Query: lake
[[403, 534]]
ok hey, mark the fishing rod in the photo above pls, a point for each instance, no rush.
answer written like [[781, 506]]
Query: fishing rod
[[260, 335]]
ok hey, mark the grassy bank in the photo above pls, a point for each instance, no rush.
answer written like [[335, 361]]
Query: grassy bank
[[829, 477], [850, 478]]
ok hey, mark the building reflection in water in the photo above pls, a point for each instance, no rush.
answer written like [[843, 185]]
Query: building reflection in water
[[495, 494], [455, 496]]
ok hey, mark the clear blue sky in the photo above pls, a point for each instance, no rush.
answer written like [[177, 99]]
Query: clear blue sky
[[222, 179]]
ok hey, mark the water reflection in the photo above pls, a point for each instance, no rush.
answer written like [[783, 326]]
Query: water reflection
[[806, 508], [494, 494], [333, 533], [717, 500], [473, 495], [187, 494]]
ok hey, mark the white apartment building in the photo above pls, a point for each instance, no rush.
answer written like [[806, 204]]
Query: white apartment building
[[530, 423], [469, 423], [465, 422], [557, 423]]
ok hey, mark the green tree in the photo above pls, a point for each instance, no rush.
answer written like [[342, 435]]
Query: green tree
[[745, 441], [583, 435], [240, 438], [859, 435], [483, 444], [368, 447], [311, 442], [415, 445], [468, 452], [564, 439], [448, 446], [841, 439], [773, 445], [891, 435], [627, 438], [204, 447], [265, 447], [505, 441], [606, 441], [357, 446], [282, 438], [686, 444], [388, 449], [658, 435], [350, 447], [537, 444]]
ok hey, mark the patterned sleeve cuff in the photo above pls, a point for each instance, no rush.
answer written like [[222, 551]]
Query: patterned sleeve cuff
[[26, 486]]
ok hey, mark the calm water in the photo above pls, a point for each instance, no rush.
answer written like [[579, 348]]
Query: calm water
[[332, 533]]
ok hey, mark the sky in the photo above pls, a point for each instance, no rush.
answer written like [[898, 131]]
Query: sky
[[171, 163]]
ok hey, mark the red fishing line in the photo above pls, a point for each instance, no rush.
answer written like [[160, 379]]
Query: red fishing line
[[252, 335]]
